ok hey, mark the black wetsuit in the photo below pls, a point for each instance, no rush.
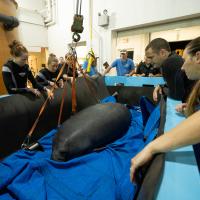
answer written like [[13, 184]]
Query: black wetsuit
[[15, 78], [143, 68], [179, 86], [45, 76]]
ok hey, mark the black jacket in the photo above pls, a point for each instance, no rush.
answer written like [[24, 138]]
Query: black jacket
[[44, 76], [15, 78], [178, 84]]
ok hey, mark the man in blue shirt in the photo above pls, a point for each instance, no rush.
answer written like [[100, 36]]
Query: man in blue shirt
[[124, 65]]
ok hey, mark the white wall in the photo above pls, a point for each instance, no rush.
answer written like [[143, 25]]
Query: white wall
[[178, 34], [131, 13], [59, 35], [32, 31], [31, 4], [123, 14]]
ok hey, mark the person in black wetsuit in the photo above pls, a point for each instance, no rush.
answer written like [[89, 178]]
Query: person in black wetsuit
[[61, 62], [179, 86], [16, 72], [68, 70], [47, 76], [147, 69]]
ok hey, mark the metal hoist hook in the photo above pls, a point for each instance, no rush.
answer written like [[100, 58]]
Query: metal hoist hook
[[77, 26]]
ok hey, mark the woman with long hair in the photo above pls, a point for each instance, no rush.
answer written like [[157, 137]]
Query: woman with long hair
[[48, 76]]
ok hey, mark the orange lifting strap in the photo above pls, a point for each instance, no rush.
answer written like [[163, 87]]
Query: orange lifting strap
[[27, 139], [74, 103], [62, 102]]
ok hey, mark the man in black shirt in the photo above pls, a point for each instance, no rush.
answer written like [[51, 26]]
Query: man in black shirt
[[170, 65], [146, 68]]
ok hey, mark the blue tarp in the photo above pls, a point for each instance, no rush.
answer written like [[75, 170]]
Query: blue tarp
[[103, 174]]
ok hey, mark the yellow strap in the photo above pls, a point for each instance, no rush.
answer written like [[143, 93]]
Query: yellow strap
[[89, 65], [90, 60]]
